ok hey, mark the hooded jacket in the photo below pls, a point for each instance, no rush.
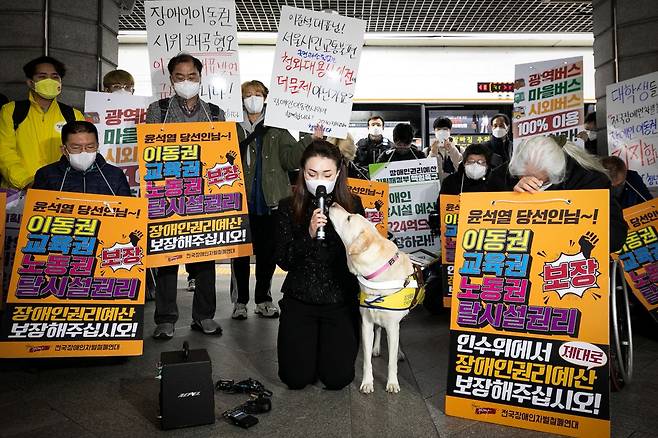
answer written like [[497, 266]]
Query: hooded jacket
[[34, 144], [101, 178]]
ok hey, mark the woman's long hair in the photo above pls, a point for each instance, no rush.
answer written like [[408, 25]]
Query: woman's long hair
[[341, 194]]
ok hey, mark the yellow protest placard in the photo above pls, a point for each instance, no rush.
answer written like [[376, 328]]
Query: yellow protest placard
[[529, 321], [449, 213], [374, 197], [639, 256], [77, 287], [193, 180]]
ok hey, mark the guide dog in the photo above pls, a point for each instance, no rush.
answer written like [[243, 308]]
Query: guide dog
[[387, 289]]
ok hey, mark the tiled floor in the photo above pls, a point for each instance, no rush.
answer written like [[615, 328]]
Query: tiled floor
[[118, 397]]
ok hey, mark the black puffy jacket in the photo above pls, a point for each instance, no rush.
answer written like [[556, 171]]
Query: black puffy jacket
[[101, 178]]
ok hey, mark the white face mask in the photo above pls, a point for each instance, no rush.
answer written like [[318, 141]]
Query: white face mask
[[254, 104], [499, 132], [82, 161], [475, 170], [313, 184], [591, 135], [187, 89], [442, 134], [122, 91], [375, 131]]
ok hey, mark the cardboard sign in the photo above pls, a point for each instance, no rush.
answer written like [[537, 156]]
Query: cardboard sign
[[413, 190], [548, 99], [374, 197], [14, 201], [449, 214], [205, 29], [315, 69], [639, 256], [631, 108], [529, 322], [77, 287], [194, 184], [116, 116]]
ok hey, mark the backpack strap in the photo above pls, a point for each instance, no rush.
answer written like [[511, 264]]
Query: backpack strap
[[21, 108], [214, 112], [260, 129], [67, 112], [164, 106]]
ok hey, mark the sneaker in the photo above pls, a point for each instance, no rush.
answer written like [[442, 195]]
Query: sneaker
[[239, 311], [164, 331], [191, 285], [267, 310], [207, 326]]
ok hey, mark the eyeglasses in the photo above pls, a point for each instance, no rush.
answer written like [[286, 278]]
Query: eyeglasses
[[480, 162], [77, 148], [117, 87]]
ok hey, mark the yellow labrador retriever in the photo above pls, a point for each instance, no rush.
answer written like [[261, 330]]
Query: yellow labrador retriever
[[387, 293]]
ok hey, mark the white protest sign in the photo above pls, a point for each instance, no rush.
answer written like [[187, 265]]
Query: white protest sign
[[115, 116], [315, 68], [548, 99], [205, 29], [632, 110], [413, 190]]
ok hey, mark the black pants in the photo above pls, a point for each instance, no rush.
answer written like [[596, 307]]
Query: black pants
[[263, 229], [204, 302], [317, 342]]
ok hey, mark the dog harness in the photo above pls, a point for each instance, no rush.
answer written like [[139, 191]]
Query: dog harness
[[410, 292]]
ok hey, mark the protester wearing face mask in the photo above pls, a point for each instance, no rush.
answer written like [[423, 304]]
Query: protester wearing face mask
[[268, 154], [472, 173], [318, 330], [589, 134], [30, 129], [403, 136], [500, 142], [370, 148], [628, 188], [443, 148], [119, 82], [81, 168], [547, 163], [185, 106]]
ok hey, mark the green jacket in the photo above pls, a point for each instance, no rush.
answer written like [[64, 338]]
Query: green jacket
[[281, 153]]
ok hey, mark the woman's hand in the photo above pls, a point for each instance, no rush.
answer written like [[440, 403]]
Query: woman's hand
[[434, 148], [528, 184], [317, 220], [318, 132]]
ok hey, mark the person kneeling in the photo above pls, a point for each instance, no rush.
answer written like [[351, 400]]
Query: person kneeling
[[318, 329]]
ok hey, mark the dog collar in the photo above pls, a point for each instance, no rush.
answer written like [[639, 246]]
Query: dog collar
[[384, 267]]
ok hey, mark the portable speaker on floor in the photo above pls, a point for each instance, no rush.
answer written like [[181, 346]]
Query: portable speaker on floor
[[187, 394]]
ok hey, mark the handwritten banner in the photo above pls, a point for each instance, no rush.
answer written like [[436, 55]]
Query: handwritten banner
[[413, 191], [315, 68], [193, 181], [548, 99], [449, 211], [205, 29], [116, 117], [374, 197], [529, 323], [639, 256], [77, 287], [632, 114]]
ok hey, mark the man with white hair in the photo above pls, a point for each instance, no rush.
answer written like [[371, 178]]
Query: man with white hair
[[548, 163]]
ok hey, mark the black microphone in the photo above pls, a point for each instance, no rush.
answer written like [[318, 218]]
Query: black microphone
[[321, 193]]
